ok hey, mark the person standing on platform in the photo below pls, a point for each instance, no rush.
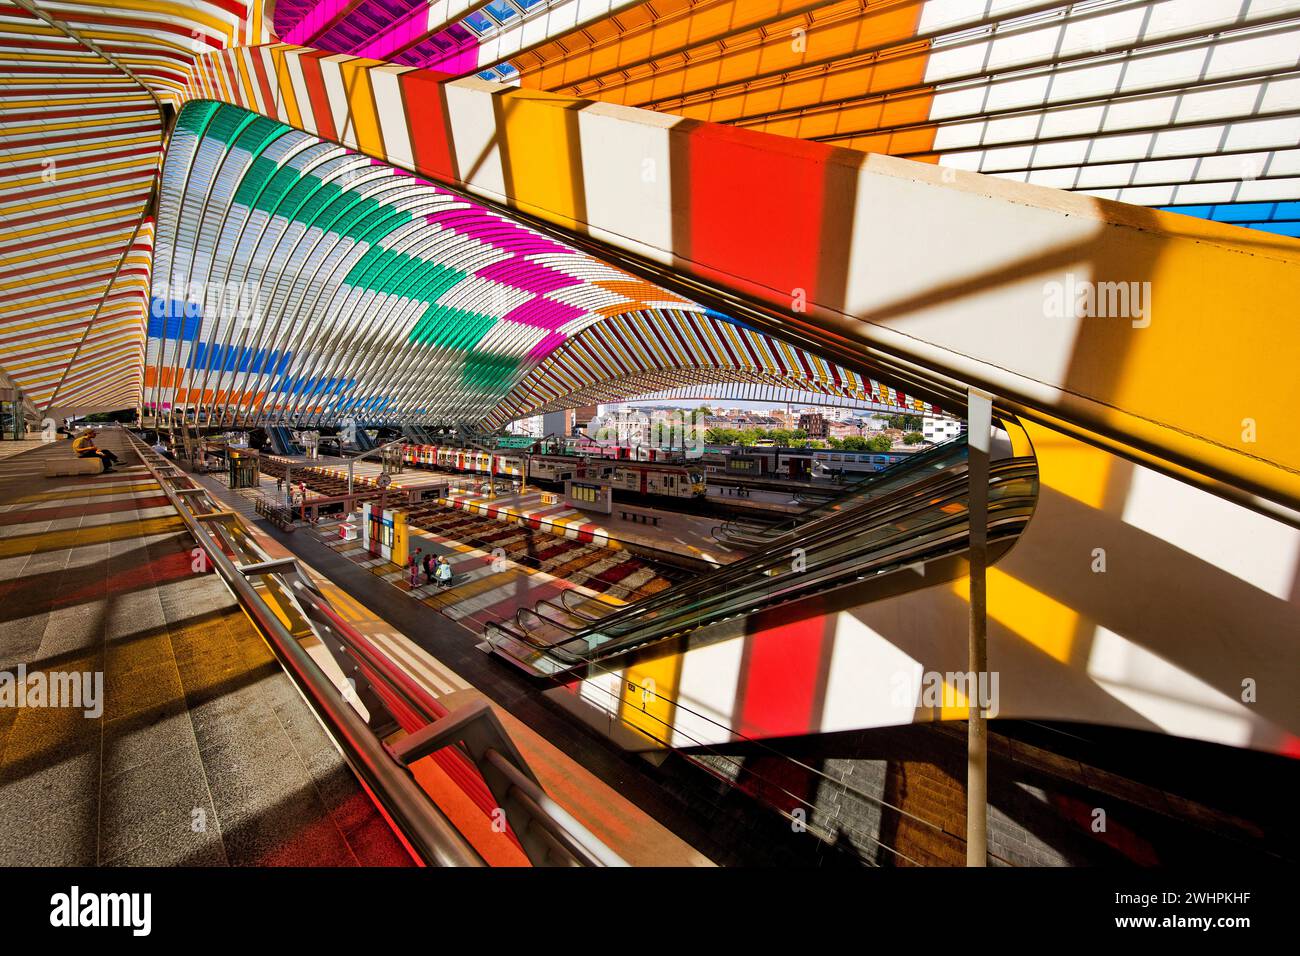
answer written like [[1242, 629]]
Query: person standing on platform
[[444, 573], [428, 569], [415, 568]]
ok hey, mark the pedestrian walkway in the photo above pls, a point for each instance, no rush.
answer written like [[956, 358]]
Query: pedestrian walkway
[[599, 801], [188, 744], [486, 586], [11, 447]]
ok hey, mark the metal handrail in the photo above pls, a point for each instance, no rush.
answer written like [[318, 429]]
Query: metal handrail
[[428, 832], [432, 836], [644, 617], [760, 534]]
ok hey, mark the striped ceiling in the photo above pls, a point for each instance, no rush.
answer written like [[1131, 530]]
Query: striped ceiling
[[654, 350], [298, 280], [1187, 105], [1181, 104], [82, 92], [452, 36]]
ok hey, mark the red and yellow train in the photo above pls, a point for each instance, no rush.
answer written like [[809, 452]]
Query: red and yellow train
[[633, 478]]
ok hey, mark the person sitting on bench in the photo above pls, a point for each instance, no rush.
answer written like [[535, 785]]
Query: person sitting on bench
[[83, 446]]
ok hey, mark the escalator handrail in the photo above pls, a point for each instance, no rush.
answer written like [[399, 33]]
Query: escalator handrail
[[578, 612], [953, 531], [768, 536], [833, 527], [837, 524], [853, 524], [906, 466], [954, 535]]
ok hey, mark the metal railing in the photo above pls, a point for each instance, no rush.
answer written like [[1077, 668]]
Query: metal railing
[[278, 514], [469, 743], [922, 522]]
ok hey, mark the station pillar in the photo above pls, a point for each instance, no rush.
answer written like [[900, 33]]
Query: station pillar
[[979, 414]]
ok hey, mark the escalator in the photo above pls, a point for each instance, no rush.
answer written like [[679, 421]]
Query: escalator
[[416, 435], [282, 441], [363, 441], [854, 548], [750, 534]]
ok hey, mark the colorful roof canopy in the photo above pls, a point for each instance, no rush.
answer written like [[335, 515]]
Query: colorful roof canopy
[[295, 279], [82, 93], [1188, 104]]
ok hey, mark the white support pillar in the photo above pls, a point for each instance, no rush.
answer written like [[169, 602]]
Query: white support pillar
[[979, 419]]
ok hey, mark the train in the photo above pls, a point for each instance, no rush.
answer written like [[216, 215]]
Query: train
[[796, 464], [629, 479]]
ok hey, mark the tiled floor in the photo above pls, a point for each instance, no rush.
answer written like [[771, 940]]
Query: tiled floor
[[719, 822], [10, 446], [486, 587], [203, 753]]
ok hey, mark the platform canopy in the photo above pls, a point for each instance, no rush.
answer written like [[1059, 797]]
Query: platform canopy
[[1186, 104], [297, 280], [86, 92]]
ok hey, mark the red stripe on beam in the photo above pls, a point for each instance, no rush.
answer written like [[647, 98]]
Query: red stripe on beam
[[757, 212], [259, 71], [424, 100], [319, 101]]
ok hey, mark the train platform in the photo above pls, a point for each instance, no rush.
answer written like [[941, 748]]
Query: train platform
[[758, 500], [508, 569], [645, 529], [434, 652], [154, 725]]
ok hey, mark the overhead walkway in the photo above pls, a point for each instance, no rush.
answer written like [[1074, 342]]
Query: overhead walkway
[[200, 750]]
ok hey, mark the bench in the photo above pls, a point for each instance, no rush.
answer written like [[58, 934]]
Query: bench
[[643, 518], [73, 466]]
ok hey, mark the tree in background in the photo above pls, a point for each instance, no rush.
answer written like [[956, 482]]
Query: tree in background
[[879, 444], [123, 417], [913, 438], [906, 423]]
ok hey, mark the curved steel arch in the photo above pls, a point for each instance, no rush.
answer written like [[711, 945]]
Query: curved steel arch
[[381, 295]]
